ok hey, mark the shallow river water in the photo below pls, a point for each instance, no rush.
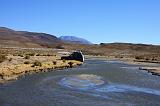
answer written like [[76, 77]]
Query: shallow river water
[[95, 83]]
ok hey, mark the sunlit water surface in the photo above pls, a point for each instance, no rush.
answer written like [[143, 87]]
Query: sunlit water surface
[[95, 83]]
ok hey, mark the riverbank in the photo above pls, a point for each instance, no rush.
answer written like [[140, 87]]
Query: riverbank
[[15, 64], [149, 66]]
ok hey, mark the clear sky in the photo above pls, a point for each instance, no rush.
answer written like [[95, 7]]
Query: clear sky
[[135, 21]]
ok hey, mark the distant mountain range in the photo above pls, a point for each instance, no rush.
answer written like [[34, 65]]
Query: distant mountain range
[[73, 39], [9, 37], [12, 38]]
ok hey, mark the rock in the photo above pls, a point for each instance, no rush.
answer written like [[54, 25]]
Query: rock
[[77, 55]]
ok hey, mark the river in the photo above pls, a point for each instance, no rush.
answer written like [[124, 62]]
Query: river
[[95, 83]]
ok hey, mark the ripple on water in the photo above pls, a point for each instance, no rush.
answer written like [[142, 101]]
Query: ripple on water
[[83, 81], [99, 86], [127, 88]]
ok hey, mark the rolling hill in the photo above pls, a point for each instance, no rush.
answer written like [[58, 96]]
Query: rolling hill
[[12, 38], [9, 37]]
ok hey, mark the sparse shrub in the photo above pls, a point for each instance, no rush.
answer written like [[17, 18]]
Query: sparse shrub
[[64, 61], [38, 55], [10, 60], [70, 64], [43, 55], [102, 44], [27, 57], [30, 54], [49, 55], [138, 57], [118, 56], [60, 47], [154, 59], [54, 62], [14, 54], [20, 55], [26, 62], [121, 57], [37, 63], [2, 58]]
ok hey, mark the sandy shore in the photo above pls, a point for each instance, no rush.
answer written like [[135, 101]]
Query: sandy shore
[[16, 66]]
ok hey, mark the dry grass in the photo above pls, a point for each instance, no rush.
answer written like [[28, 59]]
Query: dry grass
[[2, 58], [27, 57], [17, 65], [70, 64], [26, 62], [37, 63]]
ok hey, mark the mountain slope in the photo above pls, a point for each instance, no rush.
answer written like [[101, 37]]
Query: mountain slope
[[74, 39], [10, 37]]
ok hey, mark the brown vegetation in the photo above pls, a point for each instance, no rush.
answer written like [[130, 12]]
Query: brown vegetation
[[54, 62], [16, 65], [26, 62], [70, 64], [37, 63], [27, 57], [2, 58]]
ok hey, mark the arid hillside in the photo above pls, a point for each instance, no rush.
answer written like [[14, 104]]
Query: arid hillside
[[139, 52], [9, 37], [117, 48]]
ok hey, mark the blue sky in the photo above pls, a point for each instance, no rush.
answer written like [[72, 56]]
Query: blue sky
[[135, 21]]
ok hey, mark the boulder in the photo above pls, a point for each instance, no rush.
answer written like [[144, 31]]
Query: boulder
[[77, 55]]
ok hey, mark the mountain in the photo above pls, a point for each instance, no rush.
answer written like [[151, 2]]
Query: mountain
[[9, 37], [74, 39]]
